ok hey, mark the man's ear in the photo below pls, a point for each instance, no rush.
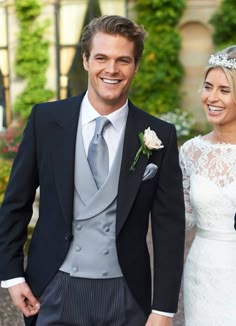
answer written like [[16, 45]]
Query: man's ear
[[85, 62], [136, 67]]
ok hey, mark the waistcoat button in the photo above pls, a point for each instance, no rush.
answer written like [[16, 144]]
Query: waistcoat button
[[77, 248], [75, 269]]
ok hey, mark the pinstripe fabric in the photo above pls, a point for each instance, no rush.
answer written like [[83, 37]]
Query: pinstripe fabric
[[72, 301]]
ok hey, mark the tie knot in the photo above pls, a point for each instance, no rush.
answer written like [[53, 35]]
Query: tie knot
[[101, 123]]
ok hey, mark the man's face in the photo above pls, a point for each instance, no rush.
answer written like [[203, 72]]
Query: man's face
[[111, 68]]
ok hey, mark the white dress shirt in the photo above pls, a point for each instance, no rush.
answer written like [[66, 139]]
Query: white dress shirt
[[112, 133]]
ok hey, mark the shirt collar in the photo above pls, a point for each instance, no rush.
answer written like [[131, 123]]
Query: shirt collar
[[117, 118]]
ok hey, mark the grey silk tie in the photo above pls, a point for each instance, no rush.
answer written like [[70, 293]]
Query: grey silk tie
[[98, 157]]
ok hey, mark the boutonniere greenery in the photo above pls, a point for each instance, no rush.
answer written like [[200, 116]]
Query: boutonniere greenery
[[149, 141]]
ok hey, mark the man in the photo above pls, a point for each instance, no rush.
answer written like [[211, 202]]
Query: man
[[88, 262]]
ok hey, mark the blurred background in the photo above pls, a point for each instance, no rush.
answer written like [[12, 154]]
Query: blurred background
[[40, 60]]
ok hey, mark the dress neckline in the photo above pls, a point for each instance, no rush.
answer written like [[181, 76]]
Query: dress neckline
[[209, 143]]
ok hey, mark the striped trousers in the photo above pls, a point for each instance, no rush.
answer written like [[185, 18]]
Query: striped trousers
[[72, 301]]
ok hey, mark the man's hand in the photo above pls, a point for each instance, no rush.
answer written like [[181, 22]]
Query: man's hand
[[155, 319], [24, 299]]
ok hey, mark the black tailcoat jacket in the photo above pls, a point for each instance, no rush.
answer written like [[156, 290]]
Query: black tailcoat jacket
[[46, 158]]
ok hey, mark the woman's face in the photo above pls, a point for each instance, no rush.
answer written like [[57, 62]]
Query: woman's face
[[217, 99]]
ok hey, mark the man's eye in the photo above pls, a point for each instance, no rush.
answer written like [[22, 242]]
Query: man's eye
[[122, 60], [100, 58]]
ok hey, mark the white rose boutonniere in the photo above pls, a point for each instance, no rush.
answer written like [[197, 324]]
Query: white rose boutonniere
[[149, 141]]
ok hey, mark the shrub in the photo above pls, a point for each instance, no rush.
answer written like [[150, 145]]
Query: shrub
[[224, 22], [183, 121], [5, 169], [156, 88], [10, 141]]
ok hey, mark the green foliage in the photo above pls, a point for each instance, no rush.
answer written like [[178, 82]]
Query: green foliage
[[30, 231], [5, 168], [32, 58], [183, 121], [224, 22], [156, 86], [32, 54], [166, 12], [29, 97], [10, 141], [26, 10]]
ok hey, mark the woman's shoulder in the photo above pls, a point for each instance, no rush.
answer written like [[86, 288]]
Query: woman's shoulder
[[192, 142]]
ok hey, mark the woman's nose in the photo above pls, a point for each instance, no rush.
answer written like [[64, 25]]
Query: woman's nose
[[213, 96]]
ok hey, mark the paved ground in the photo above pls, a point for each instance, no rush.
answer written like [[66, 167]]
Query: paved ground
[[9, 316]]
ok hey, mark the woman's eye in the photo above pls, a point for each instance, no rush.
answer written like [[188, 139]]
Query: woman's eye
[[225, 91]]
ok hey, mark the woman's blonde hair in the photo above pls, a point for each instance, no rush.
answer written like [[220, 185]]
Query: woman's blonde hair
[[226, 60]]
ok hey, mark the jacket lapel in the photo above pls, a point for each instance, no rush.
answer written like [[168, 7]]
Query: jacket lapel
[[129, 182], [63, 140]]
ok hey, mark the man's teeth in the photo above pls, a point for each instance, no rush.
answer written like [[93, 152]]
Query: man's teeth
[[215, 109], [111, 81]]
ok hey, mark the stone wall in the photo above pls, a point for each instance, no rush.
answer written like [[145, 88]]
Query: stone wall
[[197, 44]]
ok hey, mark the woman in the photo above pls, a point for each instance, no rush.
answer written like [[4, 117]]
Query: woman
[[209, 174]]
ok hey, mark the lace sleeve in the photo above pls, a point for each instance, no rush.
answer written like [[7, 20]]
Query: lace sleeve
[[186, 187]]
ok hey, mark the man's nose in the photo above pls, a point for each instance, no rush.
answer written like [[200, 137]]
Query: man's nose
[[111, 67]]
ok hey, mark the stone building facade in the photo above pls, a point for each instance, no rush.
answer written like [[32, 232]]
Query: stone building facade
[[197, 44], [67, 18]]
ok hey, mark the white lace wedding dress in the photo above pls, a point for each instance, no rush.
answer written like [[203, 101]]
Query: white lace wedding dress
[[209, 176]]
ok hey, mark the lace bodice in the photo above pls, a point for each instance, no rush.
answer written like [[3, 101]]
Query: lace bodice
[[209, 180]]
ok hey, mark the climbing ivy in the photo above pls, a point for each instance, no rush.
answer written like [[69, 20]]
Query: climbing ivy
[[32, 57]]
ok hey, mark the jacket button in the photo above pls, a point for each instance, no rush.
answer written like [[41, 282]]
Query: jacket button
[[68, 237]]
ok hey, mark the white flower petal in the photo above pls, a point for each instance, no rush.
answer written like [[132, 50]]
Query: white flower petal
[[151, 140]]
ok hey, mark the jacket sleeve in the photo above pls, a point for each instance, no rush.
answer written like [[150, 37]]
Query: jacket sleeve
[[168, 230], [16, 209]]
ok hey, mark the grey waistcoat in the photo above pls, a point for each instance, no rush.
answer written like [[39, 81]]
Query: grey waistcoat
[[92, 253]]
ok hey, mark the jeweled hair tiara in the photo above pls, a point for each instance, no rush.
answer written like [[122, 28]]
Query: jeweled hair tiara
[[222, 60]]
